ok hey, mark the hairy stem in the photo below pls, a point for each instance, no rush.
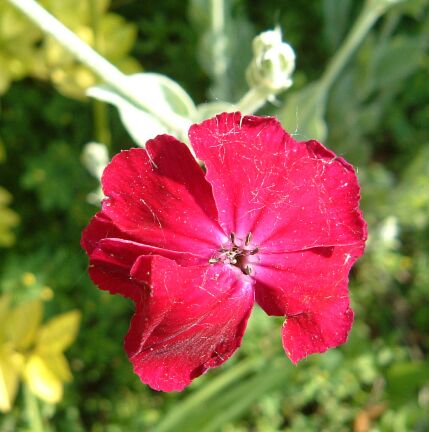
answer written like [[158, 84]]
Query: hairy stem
[[370, 13], [253, 100]]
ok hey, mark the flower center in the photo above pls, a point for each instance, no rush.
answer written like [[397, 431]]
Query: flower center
[[236, 252]]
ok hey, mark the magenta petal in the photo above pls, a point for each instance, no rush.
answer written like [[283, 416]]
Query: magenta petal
[[290, 195], [110, 266], [99, 228], [112, 260], [309, 288], [272, 218], [190, 319], [159, 197], [310, 333]]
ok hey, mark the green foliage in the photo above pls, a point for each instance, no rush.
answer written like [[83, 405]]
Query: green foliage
[[45, 175], [374, 114]]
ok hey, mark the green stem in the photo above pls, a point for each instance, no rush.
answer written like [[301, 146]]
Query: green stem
[[32, 408], [217, 15], [371, 11], [98, 64], [218, 48]]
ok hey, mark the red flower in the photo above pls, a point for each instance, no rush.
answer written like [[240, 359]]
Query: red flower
[[272, 220]]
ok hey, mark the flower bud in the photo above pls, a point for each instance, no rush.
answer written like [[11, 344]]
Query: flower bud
[[273, 62]]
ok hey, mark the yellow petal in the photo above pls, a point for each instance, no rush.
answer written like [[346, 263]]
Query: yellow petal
[[10, 366], [58, 364], [22, 323], [58, 333], [42, 380]]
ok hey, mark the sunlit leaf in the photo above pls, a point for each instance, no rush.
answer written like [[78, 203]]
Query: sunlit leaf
[[140, 125], [168, 96]]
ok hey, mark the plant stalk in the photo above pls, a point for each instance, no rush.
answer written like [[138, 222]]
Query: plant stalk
[[253, 100], [370, 13]]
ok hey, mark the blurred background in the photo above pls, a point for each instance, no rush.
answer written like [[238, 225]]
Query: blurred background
[[62, 364]]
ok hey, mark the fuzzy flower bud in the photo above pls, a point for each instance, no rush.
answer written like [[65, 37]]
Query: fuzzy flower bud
[[273, 62]]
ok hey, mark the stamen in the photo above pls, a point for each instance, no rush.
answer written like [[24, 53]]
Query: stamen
[[238, 256]]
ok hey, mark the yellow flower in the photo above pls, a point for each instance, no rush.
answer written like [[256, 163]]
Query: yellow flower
[[34, 352], [108, 33], [18, 38]]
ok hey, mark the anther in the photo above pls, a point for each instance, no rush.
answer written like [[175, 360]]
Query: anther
[[232, 237], [247, 270], [254, 251], [214, 260], [248, 239]]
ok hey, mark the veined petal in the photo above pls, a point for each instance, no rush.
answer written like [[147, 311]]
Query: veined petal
[[99, 228], [113, 258], [310, 333], [159, 197], [309, 288], [189, 319], [290, 195]]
